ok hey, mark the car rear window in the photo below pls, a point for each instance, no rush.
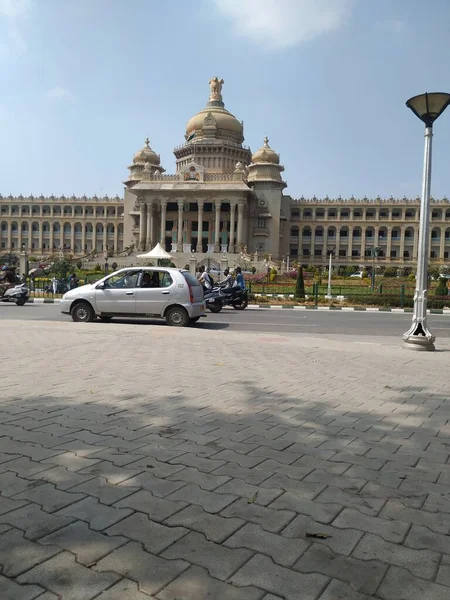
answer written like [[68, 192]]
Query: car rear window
[[190, 278]]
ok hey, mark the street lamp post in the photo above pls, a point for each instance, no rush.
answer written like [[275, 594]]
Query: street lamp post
[[427, 107], [330, 252]]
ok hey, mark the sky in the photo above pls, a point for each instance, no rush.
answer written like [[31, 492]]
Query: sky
[[83, 82]]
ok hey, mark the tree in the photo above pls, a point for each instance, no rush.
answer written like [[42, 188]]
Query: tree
[[61, 268], [10, 260], [300, 284], [114, 266], [441, 289], [79, 265]]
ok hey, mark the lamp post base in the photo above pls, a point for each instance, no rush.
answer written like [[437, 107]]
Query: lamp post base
[[419, 343]]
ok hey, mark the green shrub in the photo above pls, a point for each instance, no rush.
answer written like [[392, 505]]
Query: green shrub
[[300, 284], [390, 272], [98, 267], [441, 288], [114, 266], [364, 274], [79, 265]]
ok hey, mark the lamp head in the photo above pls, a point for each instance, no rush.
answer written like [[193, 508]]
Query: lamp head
[[429, 106]]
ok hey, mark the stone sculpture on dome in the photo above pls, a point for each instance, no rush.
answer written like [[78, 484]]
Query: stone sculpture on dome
[[215, 86]]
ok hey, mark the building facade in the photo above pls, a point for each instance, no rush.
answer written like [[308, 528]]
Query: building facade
[[222, 198]]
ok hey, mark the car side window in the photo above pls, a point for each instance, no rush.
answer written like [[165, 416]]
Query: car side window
[[126, 279], [165, 279]]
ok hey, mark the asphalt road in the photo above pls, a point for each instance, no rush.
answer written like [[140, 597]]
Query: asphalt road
[[279, 321]]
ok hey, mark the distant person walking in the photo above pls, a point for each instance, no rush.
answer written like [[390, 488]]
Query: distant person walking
[[54, 285], [240, 278]]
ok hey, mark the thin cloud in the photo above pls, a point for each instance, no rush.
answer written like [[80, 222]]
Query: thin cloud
[[279, 24], [12, 13], [59, 93]]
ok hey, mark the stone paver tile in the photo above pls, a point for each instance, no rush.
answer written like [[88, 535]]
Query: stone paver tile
[[64, 576], [207, 465], [390, 530], [18, 554], [272, 597], [155, 485], [157, 509], [99, 516], [369, 506], [302, 489], [9, 504], [34, 521], [196, 584], [338, 590], [80, 448], [261, 572], [342, 541], [156, 468], [10, 590], [70, 461], [311, 463], [423, 563], [251, 476], [11, 484], [154, 536], [422, 538], [220, 561], [111, 473], [304, 449], [283, 551], [107, 493], [420, 471], [61, 477], [155, 452], [324, 513], [87, 545], [260, 495], [49, 596], [346, 458], [401, 584], [25, 467], [125, 589], [443, 576], [282, 456], [438, 522], [390, 479], [150, 572], [206, 481], [269, 519], [292, 471], [437, 503], [215, 528], [346, 483], [363, 575], [210, 501], [413, 499], [49, 497], [116, 457]]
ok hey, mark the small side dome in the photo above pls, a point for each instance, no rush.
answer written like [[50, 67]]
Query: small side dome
[[266, 154], [146, 155]]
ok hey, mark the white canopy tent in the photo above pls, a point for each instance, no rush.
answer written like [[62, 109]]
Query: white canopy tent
[[157, 253]]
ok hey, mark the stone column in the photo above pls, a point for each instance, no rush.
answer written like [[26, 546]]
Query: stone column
[[94, 236], [240, 225], [416, 242], [350, 242], [19, 234], [200, 227], [402, 242], [9, 235], [442, 244], [389, 242], [232, 221], [338, 241], [51, 235], [363, 243], [72, 236], [217, 227], [41, 235], [162, 237], [180, 225], [116, 238], [142, 227], [149, 241]]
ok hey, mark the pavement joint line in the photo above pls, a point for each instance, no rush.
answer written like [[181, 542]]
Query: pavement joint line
[[430, 311]]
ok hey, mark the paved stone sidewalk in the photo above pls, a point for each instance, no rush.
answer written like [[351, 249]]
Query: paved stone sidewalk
[[143, 462]]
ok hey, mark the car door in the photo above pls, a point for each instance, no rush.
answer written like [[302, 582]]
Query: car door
[[152, 298], [117, 294]]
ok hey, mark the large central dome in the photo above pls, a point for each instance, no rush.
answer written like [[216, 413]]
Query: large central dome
[[214, 121]]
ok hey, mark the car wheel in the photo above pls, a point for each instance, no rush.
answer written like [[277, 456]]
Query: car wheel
[[193, 320], [177, 317], [105, 319], [82, 313]]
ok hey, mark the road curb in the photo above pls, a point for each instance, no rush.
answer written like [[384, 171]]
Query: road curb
[[432, 311], [43, 301]]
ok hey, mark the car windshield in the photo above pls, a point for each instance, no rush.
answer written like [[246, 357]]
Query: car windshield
[[124, 279], [190, 278]]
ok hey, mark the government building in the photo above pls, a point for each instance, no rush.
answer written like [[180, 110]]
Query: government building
[[222, 199]]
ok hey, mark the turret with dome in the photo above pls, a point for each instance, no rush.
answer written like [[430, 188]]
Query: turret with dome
[[140, 159]]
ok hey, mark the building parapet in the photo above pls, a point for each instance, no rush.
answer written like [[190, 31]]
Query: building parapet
[[59, 199], [364, 200]]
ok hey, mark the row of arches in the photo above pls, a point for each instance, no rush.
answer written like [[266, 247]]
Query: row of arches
[[378, 213], [395, 234], [66, 228], [57, 211]]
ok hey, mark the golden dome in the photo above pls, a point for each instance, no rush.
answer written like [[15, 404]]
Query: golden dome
[[146, 155], [266, 154], [215, 120]]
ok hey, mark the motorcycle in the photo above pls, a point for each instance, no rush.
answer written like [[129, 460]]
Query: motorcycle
[[18, 294], [218, 297]]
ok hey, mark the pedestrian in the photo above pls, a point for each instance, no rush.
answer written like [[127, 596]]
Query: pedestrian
[[240, 278], [54, 285], [73, 281]]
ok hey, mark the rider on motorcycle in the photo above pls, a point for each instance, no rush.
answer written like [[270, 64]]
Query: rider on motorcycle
[[228, 281]]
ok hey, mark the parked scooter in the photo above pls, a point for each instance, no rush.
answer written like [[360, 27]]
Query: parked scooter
[[18, 294]]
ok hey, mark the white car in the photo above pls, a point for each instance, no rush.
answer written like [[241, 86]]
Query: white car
[[358, 275], [138, 292]]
